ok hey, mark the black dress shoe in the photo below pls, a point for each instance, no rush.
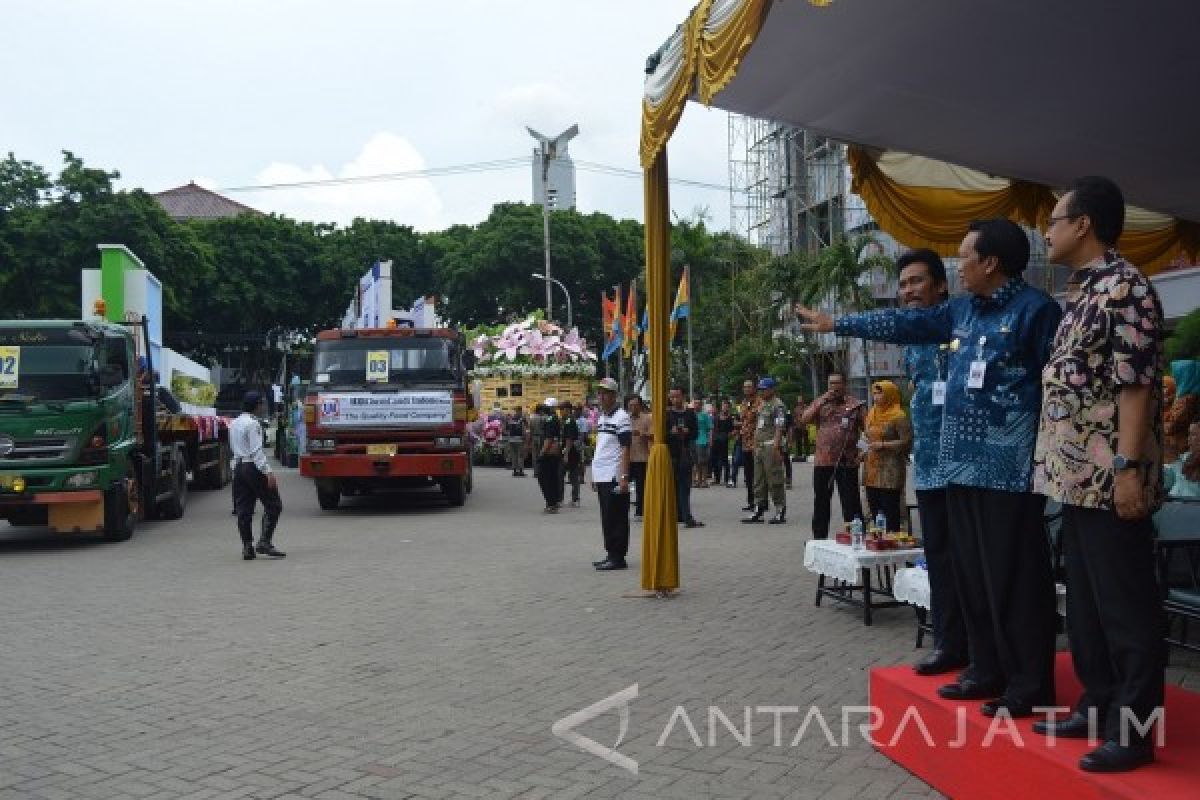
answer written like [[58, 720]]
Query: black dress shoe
[[1112, 757], [248, 552], [969, 690], [780, 517], [756, 517], [939, 662], [598, 562], [750, 507], [1076, 726], [608, 564], [1017, 709], [268, 549]]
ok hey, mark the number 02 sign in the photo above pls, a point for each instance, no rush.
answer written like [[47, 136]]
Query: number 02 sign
[[377, 366], [10, 367]]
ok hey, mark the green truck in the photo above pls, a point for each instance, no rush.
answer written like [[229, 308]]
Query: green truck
[[84, 444]]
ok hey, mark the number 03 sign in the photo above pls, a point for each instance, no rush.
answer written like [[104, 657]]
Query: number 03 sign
[[377, 366], [10, 367]]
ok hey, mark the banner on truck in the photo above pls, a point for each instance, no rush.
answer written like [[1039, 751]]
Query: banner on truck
[[367, 409]]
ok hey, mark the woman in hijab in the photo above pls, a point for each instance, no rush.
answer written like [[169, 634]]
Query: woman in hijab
[[1182, 412], [889, 439]]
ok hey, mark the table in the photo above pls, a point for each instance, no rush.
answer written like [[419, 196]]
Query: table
[[845, 565], [911, 585]]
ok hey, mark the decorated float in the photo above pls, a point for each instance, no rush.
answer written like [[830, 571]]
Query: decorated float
[[525, 362]]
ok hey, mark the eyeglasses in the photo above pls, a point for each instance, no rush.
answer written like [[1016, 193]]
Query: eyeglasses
[[1052, 220]]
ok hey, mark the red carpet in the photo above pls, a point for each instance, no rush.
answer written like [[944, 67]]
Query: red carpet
[[953, 760]]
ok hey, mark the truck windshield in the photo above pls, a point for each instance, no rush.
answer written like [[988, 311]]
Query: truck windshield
[[347, 361], [47, 372]]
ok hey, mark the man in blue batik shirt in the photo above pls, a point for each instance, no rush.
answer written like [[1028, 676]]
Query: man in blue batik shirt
[[999, 338], [922, 284]]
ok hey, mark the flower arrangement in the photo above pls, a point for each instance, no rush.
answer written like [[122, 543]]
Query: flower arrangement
[[531, 348]]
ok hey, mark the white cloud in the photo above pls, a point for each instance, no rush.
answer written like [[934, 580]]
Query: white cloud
[[411, 201]]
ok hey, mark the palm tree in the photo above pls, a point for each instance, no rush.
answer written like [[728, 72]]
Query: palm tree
[[839, 273]]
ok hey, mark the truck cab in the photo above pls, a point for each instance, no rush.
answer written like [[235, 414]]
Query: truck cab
[[387, 407], [68, 426]]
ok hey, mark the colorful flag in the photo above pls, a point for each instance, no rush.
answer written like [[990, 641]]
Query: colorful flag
[[614, 341], [607, 309], [630, 320], [681, 302]]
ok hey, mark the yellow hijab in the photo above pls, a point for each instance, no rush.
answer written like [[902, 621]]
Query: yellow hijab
[[888, 409]]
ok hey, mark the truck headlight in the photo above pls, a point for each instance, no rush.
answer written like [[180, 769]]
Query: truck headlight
[[448, 441], [81, 479]]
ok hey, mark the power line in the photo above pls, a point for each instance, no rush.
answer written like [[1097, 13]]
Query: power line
[[462, 169]]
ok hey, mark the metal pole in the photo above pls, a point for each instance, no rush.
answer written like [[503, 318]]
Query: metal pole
[[691, 369], [546, 228]]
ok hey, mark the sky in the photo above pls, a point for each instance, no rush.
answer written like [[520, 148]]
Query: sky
[[250, 92]]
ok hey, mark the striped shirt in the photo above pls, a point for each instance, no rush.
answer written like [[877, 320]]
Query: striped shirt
[[613, 434]]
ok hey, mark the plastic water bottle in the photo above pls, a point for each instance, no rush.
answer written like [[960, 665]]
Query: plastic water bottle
[[881, 521], [856, 533]]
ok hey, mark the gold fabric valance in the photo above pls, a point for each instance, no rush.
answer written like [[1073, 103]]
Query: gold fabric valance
[[926, 203]]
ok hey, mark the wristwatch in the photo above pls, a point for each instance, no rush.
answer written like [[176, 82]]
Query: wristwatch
[[1120, 462]]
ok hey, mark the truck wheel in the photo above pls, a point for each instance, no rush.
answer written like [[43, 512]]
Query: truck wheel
[[120, 517], [455, 489], [328, 497], [217, 476], [172, 507]]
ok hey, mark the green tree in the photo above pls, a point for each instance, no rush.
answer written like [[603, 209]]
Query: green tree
[[1185, 339]]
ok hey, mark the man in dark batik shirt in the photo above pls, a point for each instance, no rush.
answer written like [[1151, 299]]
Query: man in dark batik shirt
[[1099, 453]]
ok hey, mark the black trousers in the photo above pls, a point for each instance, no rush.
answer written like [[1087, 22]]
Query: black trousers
[[824, 478], [1115, 620], [683, 488], [637, 474], [946, 615], [748, 468], [1002, 570], [614, 519], [572, 473], [250, 485], [550, 479], [718, 460], [887, 501]]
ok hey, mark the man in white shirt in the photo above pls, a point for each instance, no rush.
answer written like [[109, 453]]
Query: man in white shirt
[[253, 480], [610, 476]]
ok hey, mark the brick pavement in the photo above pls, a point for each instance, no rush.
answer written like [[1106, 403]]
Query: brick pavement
[[409, 650]]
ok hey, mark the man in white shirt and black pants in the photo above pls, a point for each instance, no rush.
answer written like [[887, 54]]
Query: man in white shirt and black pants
[[610, 476], [253, 480]]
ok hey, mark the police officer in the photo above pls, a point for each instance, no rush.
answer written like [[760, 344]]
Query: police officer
[[770, 426]]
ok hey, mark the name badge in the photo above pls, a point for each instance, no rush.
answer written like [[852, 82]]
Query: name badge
[[762, 423], [939, 393], [845, 422], [978, 372]]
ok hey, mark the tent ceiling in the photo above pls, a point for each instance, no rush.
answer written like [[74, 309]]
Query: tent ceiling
[[1026, 89]]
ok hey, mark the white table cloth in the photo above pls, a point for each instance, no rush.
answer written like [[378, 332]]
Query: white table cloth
[[844, 563], [911, 585]]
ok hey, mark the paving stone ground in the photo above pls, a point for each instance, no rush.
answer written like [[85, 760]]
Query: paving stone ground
[[404, 649]]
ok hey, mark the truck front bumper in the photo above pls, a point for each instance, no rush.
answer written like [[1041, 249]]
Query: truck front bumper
[[403, 465]]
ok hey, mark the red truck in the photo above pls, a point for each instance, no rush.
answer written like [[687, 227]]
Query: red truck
[[387, 408]]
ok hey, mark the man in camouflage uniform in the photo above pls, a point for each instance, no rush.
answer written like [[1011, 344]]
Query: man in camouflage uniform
[[770, 425]]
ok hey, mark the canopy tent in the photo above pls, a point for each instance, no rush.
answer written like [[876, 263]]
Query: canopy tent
[[957, 110]]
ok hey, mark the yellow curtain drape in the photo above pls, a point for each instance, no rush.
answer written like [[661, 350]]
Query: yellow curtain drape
[[721, 51], [937, 217], [659, 119], [660, 529]]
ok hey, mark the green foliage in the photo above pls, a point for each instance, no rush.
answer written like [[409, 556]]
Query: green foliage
[[1185, 339]]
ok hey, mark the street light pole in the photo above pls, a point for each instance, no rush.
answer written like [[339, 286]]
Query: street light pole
[[546, 228], [559, 284]]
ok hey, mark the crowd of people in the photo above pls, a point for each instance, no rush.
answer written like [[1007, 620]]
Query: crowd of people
[[1013, 400], [1017, 401]]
